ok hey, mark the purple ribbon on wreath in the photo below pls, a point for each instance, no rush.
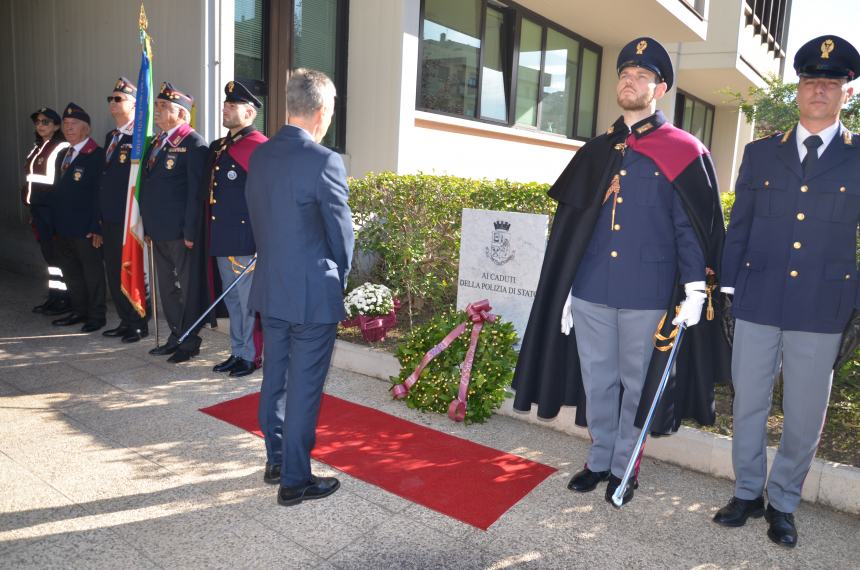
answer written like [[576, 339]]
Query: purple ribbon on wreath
[[478, 313]]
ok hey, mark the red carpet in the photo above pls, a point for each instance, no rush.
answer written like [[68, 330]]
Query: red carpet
[[464, 480]]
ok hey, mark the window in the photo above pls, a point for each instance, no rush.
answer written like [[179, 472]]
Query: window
[[694, 116], [250, 52], [495, 62]]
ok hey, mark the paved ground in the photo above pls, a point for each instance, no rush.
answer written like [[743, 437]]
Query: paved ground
[[105, 462]]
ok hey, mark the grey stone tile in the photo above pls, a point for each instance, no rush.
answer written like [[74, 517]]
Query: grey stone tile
[[107, 363], [96, 548], [33, 376]]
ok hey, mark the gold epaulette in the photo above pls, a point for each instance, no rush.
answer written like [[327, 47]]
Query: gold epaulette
[[786, 135], [848, 137], [610, 130]]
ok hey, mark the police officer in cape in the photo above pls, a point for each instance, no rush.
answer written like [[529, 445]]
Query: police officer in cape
[[637, 233], [40, 175], [231, 241], [790, 267], [113, 196], [171, 205], [75, 218]]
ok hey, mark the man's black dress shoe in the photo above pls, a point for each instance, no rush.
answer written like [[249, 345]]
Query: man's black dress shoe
[[737, 511], [317, 488], [587, 480], [72, 319], [613, 484], [242, 368], [59, 307], [41, 308], [227, 365], [92, 326], [121, 330], [134, 335], [182, 355], [164, 349], [272, 476], [781, 530]]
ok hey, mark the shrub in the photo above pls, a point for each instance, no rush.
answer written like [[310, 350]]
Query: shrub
[[492, 369]]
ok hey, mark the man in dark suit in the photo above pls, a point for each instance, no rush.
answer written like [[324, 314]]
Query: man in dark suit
[[790, 263], [171, 205], [74, 212], [297, 199], [113, 195]]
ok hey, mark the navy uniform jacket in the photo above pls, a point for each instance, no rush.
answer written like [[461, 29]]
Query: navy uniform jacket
[[297, 197], [791, 250], [229, 223], [171, 194], [113, 187], [74, 201], [632, 263]]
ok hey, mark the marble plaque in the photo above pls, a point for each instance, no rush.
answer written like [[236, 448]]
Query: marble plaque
[[500, 259]]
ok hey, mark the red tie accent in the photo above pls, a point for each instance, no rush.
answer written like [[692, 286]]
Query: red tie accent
[[159, 142], [116, 136]]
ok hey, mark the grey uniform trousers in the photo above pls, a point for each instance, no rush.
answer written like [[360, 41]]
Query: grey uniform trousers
[[241, 318], [615, 347], [807, 372]]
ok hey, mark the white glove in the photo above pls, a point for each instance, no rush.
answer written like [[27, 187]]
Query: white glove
[[691, 307], [727, 290], [567, 315]]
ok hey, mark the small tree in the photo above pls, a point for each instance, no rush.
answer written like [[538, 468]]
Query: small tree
[[774, 107]]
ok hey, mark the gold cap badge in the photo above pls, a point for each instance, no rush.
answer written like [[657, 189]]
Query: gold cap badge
[[827, 46], [230, 87], [640, 47]]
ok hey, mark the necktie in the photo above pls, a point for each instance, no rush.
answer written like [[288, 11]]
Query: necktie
[[67, 160], [159, 142], [116, 136], [811, 143]]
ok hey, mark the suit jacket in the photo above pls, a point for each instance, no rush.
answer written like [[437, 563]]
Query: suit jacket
[[74, 201], [113, 187], [297, 199], [791, 245], [171, 194]]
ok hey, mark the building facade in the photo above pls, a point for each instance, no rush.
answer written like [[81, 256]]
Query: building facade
[[475, 88]]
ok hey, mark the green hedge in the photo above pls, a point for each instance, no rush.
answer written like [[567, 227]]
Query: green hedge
[[413, 223]]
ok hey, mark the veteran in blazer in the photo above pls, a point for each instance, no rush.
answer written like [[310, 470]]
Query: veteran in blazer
[[75, 219], [790, 264], [297, 197], [171, 205]]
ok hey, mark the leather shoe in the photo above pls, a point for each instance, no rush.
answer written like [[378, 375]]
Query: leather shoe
[[121, 330], [91, 326], [227, 365], [134, 335], [58, 307], [164, 349], [272, 476], [781, 530], [41, 308], [737, 511], [182, 355], [242, 368], [316, 488], [72, 319], [587, 480], [613, 484]]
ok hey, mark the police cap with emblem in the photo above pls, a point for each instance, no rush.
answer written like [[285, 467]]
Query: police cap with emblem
[[827, 56], [238, 93], [123, 85], [170, 93], [74, 111], [48, 112], [647, 53]]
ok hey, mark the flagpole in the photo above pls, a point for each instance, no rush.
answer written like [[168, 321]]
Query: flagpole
[[154, 288]]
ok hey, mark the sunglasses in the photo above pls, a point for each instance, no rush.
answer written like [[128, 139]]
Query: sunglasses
[[115, 99], [44, 122]]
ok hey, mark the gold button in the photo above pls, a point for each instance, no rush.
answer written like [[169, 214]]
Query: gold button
[[214, 184], [214, 201], [847, 276], [793, 273], [767, 182], [842, 188], [213, 217], [797, 245], [619, 200], [804, 188], [217, 168], [614, 254], [656, 173], [243, 221], [747, 263], [617, 227], [801, 216], [623, 173]]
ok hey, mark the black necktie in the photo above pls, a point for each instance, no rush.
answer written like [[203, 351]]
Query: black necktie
[[811, 143]]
